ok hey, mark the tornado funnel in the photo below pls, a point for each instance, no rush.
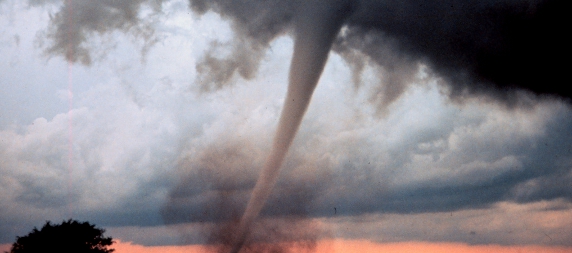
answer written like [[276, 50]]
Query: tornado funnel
[[315, 33]]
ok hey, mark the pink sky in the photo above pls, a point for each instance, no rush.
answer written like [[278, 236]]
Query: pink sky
[[361, 246]]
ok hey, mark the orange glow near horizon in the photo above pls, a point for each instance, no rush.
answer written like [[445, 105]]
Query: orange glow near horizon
[[350, 246]]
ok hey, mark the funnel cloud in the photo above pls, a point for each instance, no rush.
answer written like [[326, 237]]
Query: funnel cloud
[[314, 37]]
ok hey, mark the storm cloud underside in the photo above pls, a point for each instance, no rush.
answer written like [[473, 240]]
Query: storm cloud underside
[[489, 48]]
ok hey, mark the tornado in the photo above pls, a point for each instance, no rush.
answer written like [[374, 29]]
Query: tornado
[[316, 28]]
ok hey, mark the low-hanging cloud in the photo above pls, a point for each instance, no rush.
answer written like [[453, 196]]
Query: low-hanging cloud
[[72, 28], [360, 177], [490, 48], [477, 47]]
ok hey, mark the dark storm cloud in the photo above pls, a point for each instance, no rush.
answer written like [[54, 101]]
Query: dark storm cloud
[[73, 26], [256, 24], [477, 47]]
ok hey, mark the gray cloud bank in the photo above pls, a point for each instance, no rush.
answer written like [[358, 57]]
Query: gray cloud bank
[[460, 168]]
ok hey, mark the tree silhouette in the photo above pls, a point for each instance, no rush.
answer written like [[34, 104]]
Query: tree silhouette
[[70, 236]]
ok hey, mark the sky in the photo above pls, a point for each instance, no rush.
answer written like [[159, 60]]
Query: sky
[[153, 119]]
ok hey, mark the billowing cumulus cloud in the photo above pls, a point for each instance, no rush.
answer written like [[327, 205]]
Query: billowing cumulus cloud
[[445, 161], [73, 166]]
